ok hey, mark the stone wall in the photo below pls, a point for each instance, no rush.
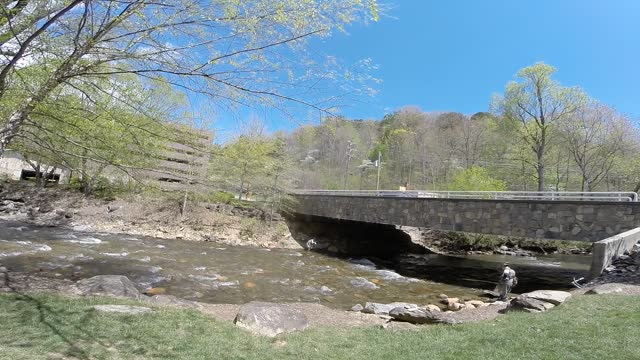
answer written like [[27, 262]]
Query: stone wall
[[561, 220]]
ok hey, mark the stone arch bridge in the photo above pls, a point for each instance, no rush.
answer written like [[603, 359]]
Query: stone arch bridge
[[609, 220]]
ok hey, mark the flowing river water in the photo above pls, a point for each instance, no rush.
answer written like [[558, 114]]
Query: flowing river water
[[211, 272]]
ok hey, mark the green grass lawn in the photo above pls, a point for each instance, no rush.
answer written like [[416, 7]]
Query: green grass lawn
[[48, 326]]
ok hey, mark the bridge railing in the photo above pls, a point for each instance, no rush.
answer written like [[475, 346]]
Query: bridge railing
[[495, 195]]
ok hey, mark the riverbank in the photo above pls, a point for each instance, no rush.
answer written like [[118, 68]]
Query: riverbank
[[458, 243], [144, 215], [69, 326], [228, 224], [42, 326]]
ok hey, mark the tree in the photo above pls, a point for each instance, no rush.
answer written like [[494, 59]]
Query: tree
[[594, 136], [224, 50], [534, 107], [251, 161], [476, 178], [102, 138]]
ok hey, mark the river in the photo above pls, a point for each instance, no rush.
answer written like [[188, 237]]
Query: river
[[214, 273]]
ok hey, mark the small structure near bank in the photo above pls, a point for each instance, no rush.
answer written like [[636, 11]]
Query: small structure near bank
[[14, 166]]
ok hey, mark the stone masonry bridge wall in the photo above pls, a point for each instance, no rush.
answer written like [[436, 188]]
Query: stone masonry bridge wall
[[561, 220]]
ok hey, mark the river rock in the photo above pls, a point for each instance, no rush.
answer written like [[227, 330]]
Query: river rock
[[314, 244], [169, 300], [432, 307], [108, 285], [551, 296], [361, 282], [363, 262], [421, 316], [475, 303], [357, 307], [399, 326], [526, 303], [155, 291], [455, 306], [449, 300], [81, 228], [123, 309], [383, 309], [490, 294], [270, 319]]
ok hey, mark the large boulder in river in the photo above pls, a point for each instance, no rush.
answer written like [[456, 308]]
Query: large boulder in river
[[421, 316], [270, 319], [383, 309], [108, 285]]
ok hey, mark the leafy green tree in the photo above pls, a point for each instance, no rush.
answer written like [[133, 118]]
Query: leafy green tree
[[476, 178], [594, 137], [228, 51], [534, 106], [103, 137], [251, 162]]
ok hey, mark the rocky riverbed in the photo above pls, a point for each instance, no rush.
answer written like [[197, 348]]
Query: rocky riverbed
[[144, 216], [272, 319], [456, 243], [224, 223], [53, 240]]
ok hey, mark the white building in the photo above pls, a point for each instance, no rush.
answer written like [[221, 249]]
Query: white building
[[15, 167]]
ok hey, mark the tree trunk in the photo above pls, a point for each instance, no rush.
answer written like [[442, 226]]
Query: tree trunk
[[540, 169], [38, 175], [273, 195], [183, 207], [87, 187], [12, 127], [241, 187], [48, 176]]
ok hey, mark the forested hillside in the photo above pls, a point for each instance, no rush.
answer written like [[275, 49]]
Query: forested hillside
[[538, 135]]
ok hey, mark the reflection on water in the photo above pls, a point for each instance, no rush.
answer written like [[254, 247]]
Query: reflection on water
[[210, 272]]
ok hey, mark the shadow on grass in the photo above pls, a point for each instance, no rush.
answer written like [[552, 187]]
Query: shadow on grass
[[61, 323]]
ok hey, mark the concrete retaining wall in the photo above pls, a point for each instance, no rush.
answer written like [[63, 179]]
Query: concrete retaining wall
[[561, 220], [12, 164], [607, 250]]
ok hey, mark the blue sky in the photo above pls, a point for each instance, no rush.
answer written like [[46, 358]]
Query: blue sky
[[453, 55]]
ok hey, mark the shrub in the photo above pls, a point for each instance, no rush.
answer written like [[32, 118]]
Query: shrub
[[476, 178]]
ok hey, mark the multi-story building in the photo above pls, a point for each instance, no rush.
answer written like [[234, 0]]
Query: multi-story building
[[179, 166], [182, 165]]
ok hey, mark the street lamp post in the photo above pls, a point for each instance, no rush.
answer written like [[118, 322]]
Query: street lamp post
[[379, 165]]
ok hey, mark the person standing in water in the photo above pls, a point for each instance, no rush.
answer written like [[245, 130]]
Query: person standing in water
[[506, 282]]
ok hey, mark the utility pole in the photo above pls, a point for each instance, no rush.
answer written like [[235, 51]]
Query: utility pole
[[379, 165], [350, 150]]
